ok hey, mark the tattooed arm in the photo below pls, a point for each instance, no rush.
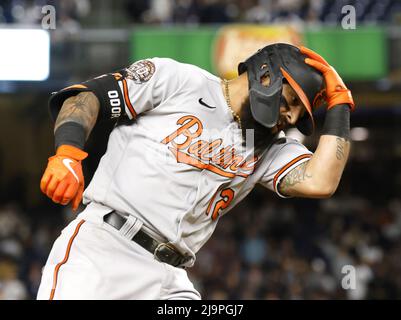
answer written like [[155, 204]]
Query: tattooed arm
[[63, 179], [320, 176], [82, 109]]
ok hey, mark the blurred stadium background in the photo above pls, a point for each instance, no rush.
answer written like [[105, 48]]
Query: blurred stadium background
[[266, 248]]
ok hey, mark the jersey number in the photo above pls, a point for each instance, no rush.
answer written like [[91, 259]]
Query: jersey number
[[227, 196]]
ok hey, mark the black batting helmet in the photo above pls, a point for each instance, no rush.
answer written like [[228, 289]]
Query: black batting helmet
[[282, 62]]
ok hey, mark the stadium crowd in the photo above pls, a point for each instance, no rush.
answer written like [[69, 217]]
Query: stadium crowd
[[73, 12], [259, 11]]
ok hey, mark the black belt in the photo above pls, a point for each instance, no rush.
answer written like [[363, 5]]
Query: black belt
[[163, 252]]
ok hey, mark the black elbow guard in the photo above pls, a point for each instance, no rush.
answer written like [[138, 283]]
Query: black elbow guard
[[106, 89]]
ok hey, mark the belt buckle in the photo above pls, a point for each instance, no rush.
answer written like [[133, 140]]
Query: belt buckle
[[165, 252]]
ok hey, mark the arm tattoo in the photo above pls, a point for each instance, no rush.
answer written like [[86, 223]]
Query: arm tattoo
[[82, 109], [294, 177], [340, 153]]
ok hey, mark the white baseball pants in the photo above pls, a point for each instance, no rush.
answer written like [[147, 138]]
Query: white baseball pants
[[91, 260]]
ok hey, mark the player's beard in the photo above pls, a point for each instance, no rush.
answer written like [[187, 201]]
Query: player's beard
[[262, 136]]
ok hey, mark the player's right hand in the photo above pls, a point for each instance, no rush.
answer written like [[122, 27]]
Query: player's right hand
[[63, 180], [336, 91]]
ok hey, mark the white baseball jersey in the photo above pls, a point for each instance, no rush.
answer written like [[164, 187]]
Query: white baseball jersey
[[181, 165]]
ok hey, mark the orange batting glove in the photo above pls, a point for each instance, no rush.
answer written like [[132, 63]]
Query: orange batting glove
[[336, 91], [63, 180]]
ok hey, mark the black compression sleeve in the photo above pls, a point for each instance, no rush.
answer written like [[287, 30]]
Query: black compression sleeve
[[337, 122], [70, 133]]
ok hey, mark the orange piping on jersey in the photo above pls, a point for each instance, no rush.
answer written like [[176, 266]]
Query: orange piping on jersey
[[67, 255], [127, 99], [301, 157]]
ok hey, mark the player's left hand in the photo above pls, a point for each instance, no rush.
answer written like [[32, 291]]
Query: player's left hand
[[63, 180], [336, 91]]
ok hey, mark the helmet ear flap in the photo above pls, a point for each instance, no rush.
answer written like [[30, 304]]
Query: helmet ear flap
[[268, 115], [264, 100]]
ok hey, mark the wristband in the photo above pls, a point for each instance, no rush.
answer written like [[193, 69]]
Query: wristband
[[71, 152], [337, 122], [70, 133]]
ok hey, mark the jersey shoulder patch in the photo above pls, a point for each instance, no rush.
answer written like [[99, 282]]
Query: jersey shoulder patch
[[141, 71]]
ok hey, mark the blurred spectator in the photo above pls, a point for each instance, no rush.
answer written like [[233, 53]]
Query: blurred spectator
[[25, 241], [136, 9], [253, 247], [11, 288], [160, 11]]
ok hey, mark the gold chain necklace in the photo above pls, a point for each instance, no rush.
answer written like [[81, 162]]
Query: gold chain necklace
[[227, 96]]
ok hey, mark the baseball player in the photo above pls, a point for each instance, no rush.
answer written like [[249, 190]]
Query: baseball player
[[186, 148]]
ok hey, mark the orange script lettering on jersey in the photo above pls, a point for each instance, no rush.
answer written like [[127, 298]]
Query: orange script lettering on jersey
[[207, 155]]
